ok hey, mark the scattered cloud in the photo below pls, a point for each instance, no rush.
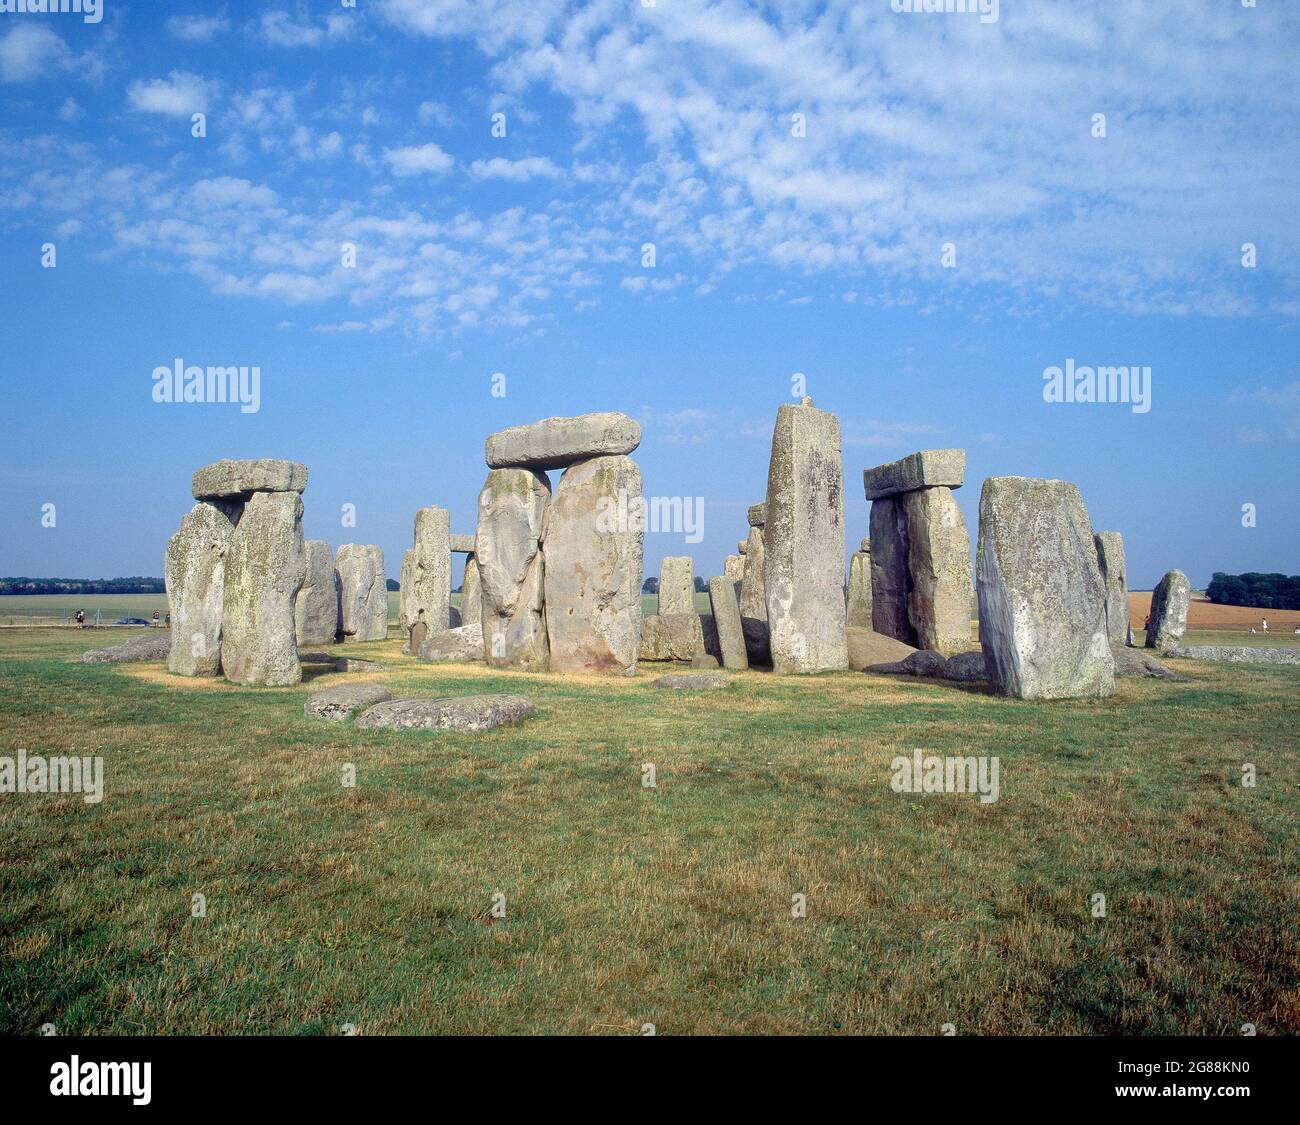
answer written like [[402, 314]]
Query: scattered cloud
[[415, 160], [180, 94], [30, 51]]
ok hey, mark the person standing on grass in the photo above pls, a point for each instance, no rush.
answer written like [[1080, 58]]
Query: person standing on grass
[[156, 619], [81, 619], [1265, 623]]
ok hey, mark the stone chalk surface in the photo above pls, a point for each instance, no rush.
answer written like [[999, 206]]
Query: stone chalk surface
[[337, 703], [929, 468], [238, 480]]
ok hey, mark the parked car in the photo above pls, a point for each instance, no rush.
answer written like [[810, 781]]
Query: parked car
[[131, 621]]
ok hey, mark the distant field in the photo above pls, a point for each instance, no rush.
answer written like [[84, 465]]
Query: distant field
[[1205, 615], [57, 609]]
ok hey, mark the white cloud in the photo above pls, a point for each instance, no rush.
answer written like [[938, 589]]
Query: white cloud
[[179, 95], [31, 50], [416, 159], [280, 29], [226, 191], [519, 171], [196, 29], [69, 110]]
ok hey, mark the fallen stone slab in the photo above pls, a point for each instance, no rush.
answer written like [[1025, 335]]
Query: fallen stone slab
[[470, 713], [238, 480], [691, 681], [961, 667], [1233, 654], [554, 443], [352, 664], [966, 667], [464, 643], [146, 648], [930, 468], [337, 703], [1139, 662], [867, 648]]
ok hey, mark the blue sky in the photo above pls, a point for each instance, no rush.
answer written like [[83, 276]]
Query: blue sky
[[783, 245]]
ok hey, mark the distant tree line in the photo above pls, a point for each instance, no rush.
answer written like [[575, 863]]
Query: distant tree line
[[651, 586], [137, 585], [1264, 591]]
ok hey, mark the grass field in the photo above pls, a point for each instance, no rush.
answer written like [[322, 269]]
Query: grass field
[[625, 905]]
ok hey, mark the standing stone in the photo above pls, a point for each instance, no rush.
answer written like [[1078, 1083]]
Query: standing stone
[[734, 569], [265, 568], [1169, 604], [753, 598], [194, 573], [1042, 602], [512, 508], [859, 592], [891, 581], [554, 443], [427, 609], [471, 598], [594, 556], [677, 584], [363, 592], [405, 580], [316, 611], [1114, 572], [726, 619], [938, 562], [803, 542]]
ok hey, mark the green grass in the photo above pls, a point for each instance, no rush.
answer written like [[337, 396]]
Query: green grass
[[626, 905]]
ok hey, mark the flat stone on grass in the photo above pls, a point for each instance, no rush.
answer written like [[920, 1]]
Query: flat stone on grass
[[154, 645], [471, 713], [337, 703], [691, 681]]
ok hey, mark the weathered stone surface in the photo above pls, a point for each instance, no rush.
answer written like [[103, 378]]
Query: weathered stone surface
[[671, 636], [742, 547], [733, 568], [1114, 572], [803, 542], [757, 515], [929, 468], [462, 544], [865, 548], [426, 608], [511, 510], [594, 561], [1139, 662], [337, 703], [1169, 603], [316, 610], [194, 572], [1236, 654], [266, 565], [753, 593], [677, 585], [705, 660], [144, 649], [938, 561], [859, 593], [968, 666], [352, 664], [1042, 602], [238, 480], [555, 443], [691, 681], [363, 592], [891, 581], [463, 643], [868, 648], [471, 595], [470, 713], [726, 619]]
